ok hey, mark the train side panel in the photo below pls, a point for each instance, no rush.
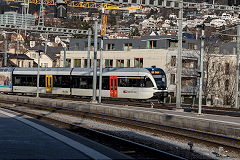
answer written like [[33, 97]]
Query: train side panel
[[61, 91], [28, 89], [89, 92], [128, 92]]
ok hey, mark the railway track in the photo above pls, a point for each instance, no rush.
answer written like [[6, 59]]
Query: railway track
[[229, 144], [155, 104], [133, 149]]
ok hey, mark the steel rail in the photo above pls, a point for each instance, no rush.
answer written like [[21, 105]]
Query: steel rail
[[127, 147], [233, 144], [152, 104]]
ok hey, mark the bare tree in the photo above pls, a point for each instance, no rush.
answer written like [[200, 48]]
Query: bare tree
[[219, 74]]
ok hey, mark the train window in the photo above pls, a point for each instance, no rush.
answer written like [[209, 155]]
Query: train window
[[111, 84], [142, 82], [135, 82], [65, 81], [115, 86], [61, 81], [17, 81], [123, 82], [148, 82], [57, 81], [86, 82], [75, 82], [42, 81], [47, 85], [105, 83], [34, 81], [128, 82], [25, 80], [51, 85]]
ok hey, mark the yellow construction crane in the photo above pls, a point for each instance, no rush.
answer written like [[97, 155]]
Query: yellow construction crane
[[102, 6], [112, 7]]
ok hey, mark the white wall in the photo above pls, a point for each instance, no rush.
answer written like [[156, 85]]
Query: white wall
[[43, 59], [150, 57]]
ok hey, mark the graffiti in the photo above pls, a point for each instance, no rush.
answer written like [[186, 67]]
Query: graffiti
[[5, 81]]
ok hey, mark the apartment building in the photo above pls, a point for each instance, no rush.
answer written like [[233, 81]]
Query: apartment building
[[220, 73], [15, 18]]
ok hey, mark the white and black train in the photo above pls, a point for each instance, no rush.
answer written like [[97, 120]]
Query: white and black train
[[132, 83]]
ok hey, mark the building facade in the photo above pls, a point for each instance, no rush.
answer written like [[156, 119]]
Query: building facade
[[16, 60], [15, 18], [48, 57]]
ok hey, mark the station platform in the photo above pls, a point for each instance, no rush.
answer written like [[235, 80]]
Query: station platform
[[22, 138]]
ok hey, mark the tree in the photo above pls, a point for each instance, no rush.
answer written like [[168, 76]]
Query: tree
[[135, 33], [219, 71], [111, 19], [152, 12], [78, 24]]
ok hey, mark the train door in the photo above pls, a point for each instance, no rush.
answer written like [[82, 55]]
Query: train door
[[113, 86], [49, 83]]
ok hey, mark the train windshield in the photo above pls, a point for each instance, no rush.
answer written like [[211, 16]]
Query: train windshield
[[159, 77], [160, 81]]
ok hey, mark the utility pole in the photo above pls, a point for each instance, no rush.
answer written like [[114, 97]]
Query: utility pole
[[5, 52], [64, 56], [25, 19], [95, 63], [45, 45], [89, 45], [39, 52], [179, 64], [237, 68], [103, 32], [5, 48], [201, 72], [18, 35], [100, 71]]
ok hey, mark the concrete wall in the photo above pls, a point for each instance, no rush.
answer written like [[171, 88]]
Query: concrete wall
[[44, 59]]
